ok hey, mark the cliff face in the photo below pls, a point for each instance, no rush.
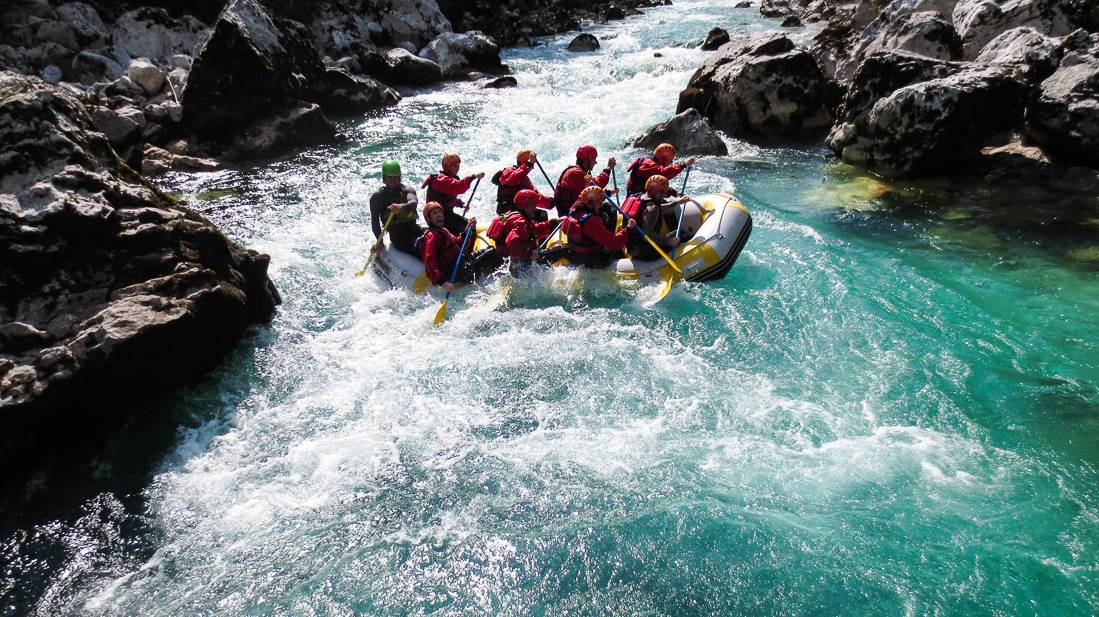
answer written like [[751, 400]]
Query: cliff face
[[109, 289]]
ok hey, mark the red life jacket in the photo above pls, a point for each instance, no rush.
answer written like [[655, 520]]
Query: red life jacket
[[573, 228], [636, 181], [451, 244], [505, 194], [632, 206], [445, 200], [498, 230], [563, 197]]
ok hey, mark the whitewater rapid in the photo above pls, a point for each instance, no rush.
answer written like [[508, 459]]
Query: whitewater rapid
[[860, 419]]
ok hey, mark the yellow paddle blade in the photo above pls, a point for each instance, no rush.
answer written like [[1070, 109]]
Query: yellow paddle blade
[[663, 254], [421, 284], [440, 315], [669, 280]]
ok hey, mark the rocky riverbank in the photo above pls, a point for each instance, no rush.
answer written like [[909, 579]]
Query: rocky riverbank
[[919, 88], [109, 289]]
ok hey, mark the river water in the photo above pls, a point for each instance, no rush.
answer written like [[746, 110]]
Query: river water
[[888, 407]]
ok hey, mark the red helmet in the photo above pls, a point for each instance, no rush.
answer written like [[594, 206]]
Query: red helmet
[[586, 152], [526, 197]]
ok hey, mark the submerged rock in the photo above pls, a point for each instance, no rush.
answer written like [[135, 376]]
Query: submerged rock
[[404, 68], [688, 131], [583, 42], [791, 21], [506, 81], [760, 88], [133, 292], [714, 39]]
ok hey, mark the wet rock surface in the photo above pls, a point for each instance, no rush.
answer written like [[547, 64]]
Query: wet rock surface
[[583, 42], [761, 88], [688, 131], [110, 289]]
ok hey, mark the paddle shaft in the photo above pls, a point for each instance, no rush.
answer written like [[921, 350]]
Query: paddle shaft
[[545, 175], [469, 202], [683, 206], [377, 245]]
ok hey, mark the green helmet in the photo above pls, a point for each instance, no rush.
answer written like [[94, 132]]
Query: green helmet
[[391, 168]]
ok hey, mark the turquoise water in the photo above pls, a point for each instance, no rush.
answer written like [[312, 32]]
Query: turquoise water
[[888, 407]]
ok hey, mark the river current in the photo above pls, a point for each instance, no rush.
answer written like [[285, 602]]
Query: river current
[[888, 407]]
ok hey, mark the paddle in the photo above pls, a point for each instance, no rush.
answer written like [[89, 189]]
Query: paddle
[[545, 175], [471, 194], [440, 315], [377, 245], [683, 207]]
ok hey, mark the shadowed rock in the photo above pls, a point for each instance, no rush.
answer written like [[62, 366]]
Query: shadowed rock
[[932, 125], [583, 42], [714, 39], [1065, 118], [115, 290]]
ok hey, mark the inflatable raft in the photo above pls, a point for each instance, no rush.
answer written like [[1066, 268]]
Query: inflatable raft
[[718, 226]]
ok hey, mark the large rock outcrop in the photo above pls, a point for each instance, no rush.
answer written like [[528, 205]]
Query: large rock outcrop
[[688, 131], [1065, 118], [932, 125], [271, 59], [109, 289], [457, 54], [761, 88], [1031, 54], [980, 21]]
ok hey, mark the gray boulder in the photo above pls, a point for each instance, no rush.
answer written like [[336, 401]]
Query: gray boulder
[[1065, 118], [340, 92], [932, 126], [150, 32], [147, 75], [688, 131], [917, 26], [980, 21], [1033, 55], [407, 69], [122, 127], [272, 60], [583, 42], [760, 88], [89, 67], [52, 74], [458, 53], [299, 126], [91, 33], [507, 81], [134, 293]]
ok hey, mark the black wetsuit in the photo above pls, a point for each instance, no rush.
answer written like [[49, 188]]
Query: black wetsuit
[[404, 229]]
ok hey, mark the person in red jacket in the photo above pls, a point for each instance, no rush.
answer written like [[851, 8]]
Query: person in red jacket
[[524, 233], [590, 244], [511, 180], [577, 177], [658, 217], [439, 248], [445, 187], [660, 164]]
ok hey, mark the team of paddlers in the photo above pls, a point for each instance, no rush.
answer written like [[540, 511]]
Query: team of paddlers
[[587, 218]]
